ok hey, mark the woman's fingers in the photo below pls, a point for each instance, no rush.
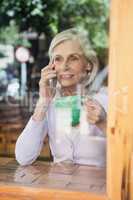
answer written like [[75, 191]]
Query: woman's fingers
[[47, 77], [95, 108], [92, 103], [46, 68], [47, 73], [92, 118], [94, 111], [50, 66]]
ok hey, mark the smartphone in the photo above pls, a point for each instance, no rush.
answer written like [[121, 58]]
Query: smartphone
[[53, 81]]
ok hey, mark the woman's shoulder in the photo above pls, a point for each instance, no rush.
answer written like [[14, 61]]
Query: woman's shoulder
[[103, 89]]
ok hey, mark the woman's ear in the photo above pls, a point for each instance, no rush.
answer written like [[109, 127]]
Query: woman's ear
[[88, 68]]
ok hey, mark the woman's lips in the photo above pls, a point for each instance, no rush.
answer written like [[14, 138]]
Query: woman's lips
[[66, 76]]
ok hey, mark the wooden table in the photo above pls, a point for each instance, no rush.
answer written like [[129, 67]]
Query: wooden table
[[49, 181]]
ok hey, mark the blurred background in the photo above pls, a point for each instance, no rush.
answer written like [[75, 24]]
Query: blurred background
[[26, 29]]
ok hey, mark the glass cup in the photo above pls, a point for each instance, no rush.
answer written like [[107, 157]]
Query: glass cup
[[69, 112]]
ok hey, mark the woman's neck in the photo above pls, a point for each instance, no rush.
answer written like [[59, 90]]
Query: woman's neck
[[69, 91]]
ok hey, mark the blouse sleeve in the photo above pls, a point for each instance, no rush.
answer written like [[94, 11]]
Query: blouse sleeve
[[102, 98], [30, 142]]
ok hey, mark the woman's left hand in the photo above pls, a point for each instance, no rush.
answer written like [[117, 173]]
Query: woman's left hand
[[95, 112]]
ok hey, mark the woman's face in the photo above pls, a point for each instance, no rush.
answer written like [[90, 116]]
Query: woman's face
[[70, 63]]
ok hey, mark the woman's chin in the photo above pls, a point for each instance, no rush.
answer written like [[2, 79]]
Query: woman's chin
[[67, 84]]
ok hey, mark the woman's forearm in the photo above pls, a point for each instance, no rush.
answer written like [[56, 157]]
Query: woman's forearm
[[40, 110], [30, 141]]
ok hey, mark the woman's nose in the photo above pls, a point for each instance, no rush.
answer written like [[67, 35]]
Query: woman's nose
[[65, 65]]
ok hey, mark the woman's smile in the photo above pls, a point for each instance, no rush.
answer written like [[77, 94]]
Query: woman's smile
[[66, 76]]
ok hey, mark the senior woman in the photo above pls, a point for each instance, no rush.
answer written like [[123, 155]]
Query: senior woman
[[72, 62]]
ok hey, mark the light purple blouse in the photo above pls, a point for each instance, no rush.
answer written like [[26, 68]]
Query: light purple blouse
[[76, 144]]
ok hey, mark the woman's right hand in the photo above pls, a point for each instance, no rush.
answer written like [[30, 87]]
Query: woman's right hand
[[46, 92], [45, 89]]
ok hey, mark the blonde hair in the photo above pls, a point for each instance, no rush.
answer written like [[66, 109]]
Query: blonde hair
[[82, 38]]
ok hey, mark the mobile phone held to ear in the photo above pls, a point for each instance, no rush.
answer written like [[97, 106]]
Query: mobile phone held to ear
[[53, 81]]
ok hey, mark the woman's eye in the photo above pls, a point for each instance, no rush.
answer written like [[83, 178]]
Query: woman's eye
[[57, 59], [74, 58]]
